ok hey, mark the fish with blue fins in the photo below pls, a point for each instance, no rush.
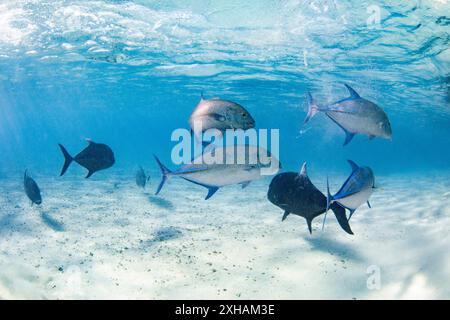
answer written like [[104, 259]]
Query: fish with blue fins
[[220, 166], [355, 191], [355, 115], [294, 193]]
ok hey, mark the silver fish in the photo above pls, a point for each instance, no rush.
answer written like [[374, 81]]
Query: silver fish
[[355, 191], [354, 115], [203, 171], [221, 115]]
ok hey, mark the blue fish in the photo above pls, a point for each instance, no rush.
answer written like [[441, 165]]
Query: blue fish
[[355, 191], [354, 115]]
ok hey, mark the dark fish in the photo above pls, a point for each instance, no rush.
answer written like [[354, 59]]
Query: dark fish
[[354, 115], [94, 157], [141, 178], [32, 189], [294, 193]]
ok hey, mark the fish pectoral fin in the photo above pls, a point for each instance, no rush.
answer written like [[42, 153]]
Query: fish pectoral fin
[[339, 213], [211, 191], [245, 184], [371, 137], [286, 213], [368, 204], [348, 137]]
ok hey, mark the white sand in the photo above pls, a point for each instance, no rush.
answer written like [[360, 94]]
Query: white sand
[[92, 239]]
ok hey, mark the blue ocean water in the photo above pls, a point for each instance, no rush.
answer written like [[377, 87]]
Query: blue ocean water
[[128, 73]]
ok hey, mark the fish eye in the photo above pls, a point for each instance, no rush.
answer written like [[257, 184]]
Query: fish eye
[[244, 115]]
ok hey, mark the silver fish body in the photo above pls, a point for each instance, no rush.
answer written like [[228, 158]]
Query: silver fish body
[[355, 115], [219, 114], [220, 167]]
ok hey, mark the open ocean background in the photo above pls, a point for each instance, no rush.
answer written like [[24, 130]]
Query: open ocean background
[[128, 73]]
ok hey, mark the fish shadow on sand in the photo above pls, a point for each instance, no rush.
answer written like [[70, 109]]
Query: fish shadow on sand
[[163, 234], [160, 202], [52, 223], [334, 247]]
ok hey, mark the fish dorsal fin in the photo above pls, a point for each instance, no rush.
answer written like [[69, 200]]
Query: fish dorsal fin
[[89, 141], [202, 97], [353, 93], [303, 171], [353, 165]]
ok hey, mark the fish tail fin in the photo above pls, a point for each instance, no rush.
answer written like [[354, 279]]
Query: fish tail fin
[[329, 196], [313, 108], [329, 199], [165, 174], [67, 159]]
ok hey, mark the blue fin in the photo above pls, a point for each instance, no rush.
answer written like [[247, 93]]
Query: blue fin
[[352, 92], [368, 204], [353, 165], [165, 174], [211, 191], [245, 184], [329, 200], [352, 211], [286, 213], [348, 137]]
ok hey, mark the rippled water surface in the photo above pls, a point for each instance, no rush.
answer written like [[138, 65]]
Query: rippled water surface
[[128, 73]]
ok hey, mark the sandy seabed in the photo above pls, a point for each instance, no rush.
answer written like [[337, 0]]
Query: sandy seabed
[[101, 239]]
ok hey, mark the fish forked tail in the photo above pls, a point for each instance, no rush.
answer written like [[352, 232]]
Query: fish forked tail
[[67, 159], [165, 174], [313, 108]]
